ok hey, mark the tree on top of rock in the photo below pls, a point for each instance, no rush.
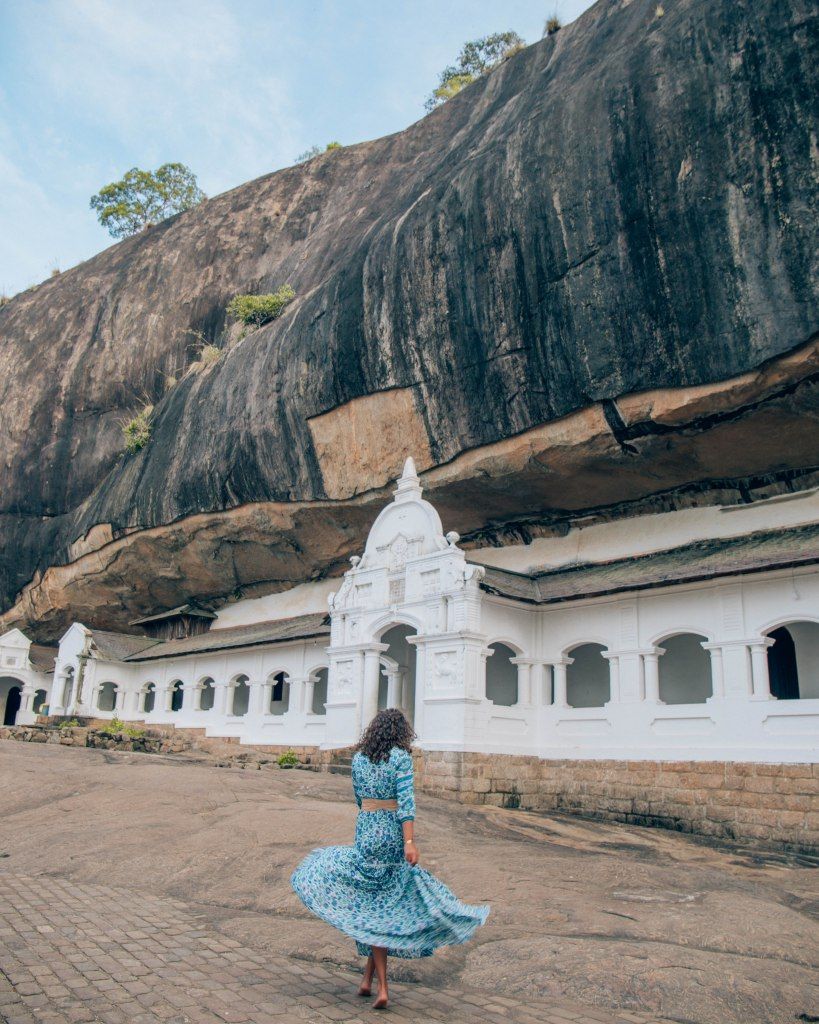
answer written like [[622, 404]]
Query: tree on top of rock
[[475, 59], [142, 198]]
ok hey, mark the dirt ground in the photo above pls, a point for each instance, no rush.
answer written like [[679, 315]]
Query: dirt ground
[[604, 915]]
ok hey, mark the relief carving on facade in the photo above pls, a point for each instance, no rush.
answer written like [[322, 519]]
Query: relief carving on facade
[[343, 679], [446, 671]]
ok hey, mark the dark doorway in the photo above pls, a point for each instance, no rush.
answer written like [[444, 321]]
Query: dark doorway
[[782, 666], [177, 696], [12, 706]]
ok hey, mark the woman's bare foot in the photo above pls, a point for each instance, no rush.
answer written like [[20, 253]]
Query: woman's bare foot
[[366, 987], [380, 967]]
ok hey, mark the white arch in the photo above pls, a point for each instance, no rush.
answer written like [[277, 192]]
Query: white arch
[[785, 621], [666, 634], [511, 644], [596, 641], [317, 667], [387, 622]]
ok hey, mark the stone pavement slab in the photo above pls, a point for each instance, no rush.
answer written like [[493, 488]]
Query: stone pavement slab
[[91, 954]]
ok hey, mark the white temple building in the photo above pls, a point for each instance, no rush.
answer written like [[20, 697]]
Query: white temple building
[[691, 634]]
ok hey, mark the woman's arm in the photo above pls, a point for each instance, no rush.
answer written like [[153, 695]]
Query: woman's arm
[[410, 849], [405, 796], [356, 792]]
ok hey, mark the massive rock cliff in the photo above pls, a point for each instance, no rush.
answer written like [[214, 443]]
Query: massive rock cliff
[[584, 286]]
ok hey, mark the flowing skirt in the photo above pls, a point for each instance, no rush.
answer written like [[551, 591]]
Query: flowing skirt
[[370, 892]]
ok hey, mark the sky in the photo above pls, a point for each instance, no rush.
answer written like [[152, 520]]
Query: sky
[[232, 88]]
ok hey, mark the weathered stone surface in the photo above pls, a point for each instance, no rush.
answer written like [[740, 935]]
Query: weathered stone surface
[[622, 209], [584, 912]]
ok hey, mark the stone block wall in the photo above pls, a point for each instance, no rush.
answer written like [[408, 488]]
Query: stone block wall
[[756, 803], [767, 804]]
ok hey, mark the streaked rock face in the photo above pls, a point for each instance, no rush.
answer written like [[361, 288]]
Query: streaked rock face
[[586, 285]]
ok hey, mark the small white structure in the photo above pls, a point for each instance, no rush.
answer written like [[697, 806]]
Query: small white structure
[[688, 635], [26, 674]]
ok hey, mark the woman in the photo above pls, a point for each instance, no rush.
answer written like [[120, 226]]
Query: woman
[[374, 891]]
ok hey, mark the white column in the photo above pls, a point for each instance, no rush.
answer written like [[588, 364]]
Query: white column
[[626, 676], [736, 658], [369, 697], [295, 704], [133, 703], [559, 676], [220, 698], [119, 699], [615, 692], [544, 696], [309, 687], [255, 700], [267, 692], [651, 667], [393, 688], [403, 690], [524, 666], [717, 671], [759, 668]]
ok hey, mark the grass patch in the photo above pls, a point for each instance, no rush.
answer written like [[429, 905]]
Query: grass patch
[[137, 431], [255, 310]]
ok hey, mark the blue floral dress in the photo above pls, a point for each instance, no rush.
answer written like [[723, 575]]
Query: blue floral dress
[[369, 891]]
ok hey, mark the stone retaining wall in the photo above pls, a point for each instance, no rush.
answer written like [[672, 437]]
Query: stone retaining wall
[[757, 803], [765, 804]]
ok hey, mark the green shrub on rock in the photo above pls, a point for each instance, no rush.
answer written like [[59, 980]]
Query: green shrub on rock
[[287, 759], [138, 430], [256, 310]]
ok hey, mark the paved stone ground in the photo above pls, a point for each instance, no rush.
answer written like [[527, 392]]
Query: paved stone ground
[[74, 953], [125, 870]]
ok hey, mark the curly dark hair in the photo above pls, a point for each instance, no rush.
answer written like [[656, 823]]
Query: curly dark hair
[[388, 729]]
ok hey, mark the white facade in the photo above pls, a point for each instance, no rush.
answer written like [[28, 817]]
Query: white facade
[[681, 671], [24, 686]]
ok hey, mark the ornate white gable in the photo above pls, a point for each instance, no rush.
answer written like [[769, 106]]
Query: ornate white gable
[[405, 529]]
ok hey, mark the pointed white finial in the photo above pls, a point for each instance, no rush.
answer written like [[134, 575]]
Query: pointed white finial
[[409, 486]]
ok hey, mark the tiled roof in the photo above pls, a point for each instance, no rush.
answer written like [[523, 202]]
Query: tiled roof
[[300, 627], [193, 610], [118, 646], [701, 560]]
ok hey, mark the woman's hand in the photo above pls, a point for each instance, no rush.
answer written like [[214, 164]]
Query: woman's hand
[[411, 853]]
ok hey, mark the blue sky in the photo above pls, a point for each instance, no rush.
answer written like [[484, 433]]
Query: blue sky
[[233, 88]]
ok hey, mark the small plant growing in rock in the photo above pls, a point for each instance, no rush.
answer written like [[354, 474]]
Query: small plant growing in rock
[[552, 25], [72, 723], [138, 430], [116, 726], [256, 310], [209, 354], [313, 151], [288, 759]]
